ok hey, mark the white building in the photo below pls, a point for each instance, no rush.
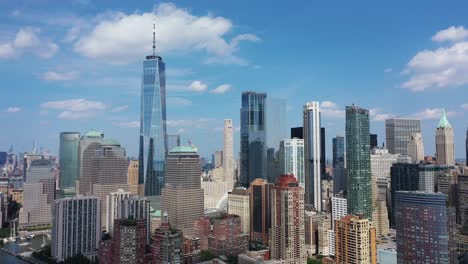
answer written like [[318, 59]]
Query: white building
[[416, 148], [228, 152], [339, 209], [331, 242], [112, 201], [292, 158], [239, 204], [76, 227], [312, 176], [381, 162]]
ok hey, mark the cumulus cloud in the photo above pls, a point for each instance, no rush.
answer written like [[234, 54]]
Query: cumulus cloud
[[221, 89], [122, 38], [377, 114], [197, 123], [197, 86], [75, 108], [131, 124], [178, 101], [13, 109], [431, 113], [60, 76], [119, 108], [28, 39], [331, 109], [444, 67]]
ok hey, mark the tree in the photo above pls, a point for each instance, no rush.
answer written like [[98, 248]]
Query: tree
[[78, 259], [206, 255]]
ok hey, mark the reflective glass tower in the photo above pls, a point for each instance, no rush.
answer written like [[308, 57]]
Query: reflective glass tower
[[312, 153], [339, 179], [359, 187], [69, 159], [153, 141], [253, 138]]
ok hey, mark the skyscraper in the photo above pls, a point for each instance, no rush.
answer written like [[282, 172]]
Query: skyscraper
[[339, 171], [69, 159], [80, 216], [218, 159], [228, 152], [88, 144], [373, 141], [113, 199], [173, 140], [398, 132], [260, 210], [132, 180], [275, 122], [182, 196], [423, 228], [466, 146], [292, 158], [416, 148], [153, 140], [339, 208], [445, 153], [239, 204], [359, 187], [297, 132], [287, 227], [323, 154], [253, 138], [167, 246], [312, 152]]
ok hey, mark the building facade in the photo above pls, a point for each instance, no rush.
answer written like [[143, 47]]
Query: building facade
[[227, 237], [312, 152], [167, 246], [239, 204], [292, 158], [228, 153], [398, 132], [69, 159], [173, 140], [112, 201], [88, 145], [359, 187], [339, 208], [445, 148], [416, 148], [339, 168], [260, 211]]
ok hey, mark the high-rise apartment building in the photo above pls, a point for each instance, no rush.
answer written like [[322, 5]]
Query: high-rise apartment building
[[76, 227], [339, 168], [239, 204], [167, 246], [423, 228], [260, 210], [173, 140], [398, 132], [287, 228], [130, 240], [38, 194], [355, 241], [339, 208], [253, 138], [463, 202], [445, 150], [69, 159], [228, 153], [153, 140], [182, 196], [291, 155], [112, 201], [359, 184], [312, 152], [416, 148], [227, 237]]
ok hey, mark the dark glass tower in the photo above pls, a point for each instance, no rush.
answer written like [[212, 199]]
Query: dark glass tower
[[466, 146], [297, 132], [373, 141], [323, 158], [69, 158], [153, 141], [359, 187], [339, 179], [253, 138]]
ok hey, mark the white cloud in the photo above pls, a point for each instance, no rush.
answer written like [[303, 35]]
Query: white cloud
[[197, 86], [178, 101], [131, 124], [119, 108], [122, 38], [431, 113], [328, 104], [13, 109], [464, 106], [331, 109], [28, 39], [444, 67], [387, 70], [377, 115], [75, 108], [221, 89], [451, 34], [60, 76], [197, 123]]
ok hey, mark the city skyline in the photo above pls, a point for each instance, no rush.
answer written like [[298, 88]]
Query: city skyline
[[66, 98]]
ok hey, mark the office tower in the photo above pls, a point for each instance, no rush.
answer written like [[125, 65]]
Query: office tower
[[297, 132], [312, 221], [182, 196], [381, 162], [39, 194], [339, 209], [323, 156], [466, 146], [463, 202], [445, 153], [28, 158], [339, 170], [88, 144], [153, 140], [322, 229], [416, 148], [373, 141], [227, 237], [380, 218], [228, 153], [398, 132], [287, 227], [312, 143], [355, 241], [218, 159], [404, 177], [112, 201], [291, 155], [81, 217], [423, 228], [3, 157], [167, 246], [239, 204], [69, 159], [260, 210], [253, 138], [359, 187], [173, 140], [132, 180], [276, 122]]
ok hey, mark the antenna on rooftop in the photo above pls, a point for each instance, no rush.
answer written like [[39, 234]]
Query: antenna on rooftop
[[154, 37]]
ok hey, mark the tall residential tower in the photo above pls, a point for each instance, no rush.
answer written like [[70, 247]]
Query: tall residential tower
[[312, 143]]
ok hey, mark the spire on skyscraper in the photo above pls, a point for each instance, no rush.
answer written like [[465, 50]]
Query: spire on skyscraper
[[443, 120], [154, 37]]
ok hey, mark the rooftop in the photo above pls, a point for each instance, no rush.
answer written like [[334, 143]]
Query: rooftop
[[93, 134], [444, 123], [184, 149], [111, 142]]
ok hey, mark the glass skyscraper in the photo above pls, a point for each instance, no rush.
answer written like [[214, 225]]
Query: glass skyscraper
[[253, 137], [339, 179], [398, 132], [153, 141], [276, 122], [69, 159], [359, 184]]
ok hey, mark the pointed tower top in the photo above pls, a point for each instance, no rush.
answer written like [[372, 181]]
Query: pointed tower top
[[444, 123], [154, 37]]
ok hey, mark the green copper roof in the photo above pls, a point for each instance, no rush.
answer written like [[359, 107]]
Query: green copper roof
[[111, 142], [443, 121], [93, 133], [184, 149]]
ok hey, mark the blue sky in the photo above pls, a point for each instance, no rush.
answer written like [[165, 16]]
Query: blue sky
[[76, 65]]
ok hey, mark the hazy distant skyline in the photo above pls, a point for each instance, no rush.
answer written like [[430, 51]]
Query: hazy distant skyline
[[76, 66]]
